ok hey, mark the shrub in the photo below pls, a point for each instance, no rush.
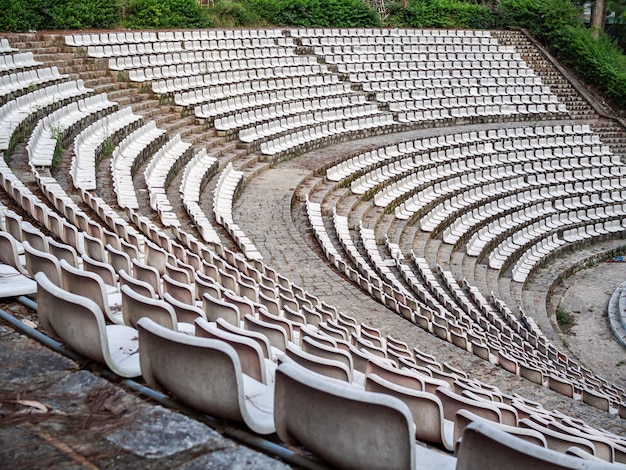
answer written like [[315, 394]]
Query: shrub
[[556, 23], [304, 13], [24, 15], [598, 61], [166, 14], [78, 14], [544, 19], [440, 14]]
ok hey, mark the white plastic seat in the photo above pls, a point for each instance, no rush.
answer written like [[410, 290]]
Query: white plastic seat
[[205, 374]]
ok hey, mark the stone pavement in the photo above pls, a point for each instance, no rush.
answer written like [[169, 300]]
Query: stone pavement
[[53, 414], [275, 220]]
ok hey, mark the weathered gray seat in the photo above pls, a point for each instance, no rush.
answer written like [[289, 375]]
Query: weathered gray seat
[[253, 363], [484, 447], [216, 308], [347, 427], [426, 409], [90, 285], [465, 417], [39, 261], [13, 274], [205, 374], [136, 306], [79, 322]]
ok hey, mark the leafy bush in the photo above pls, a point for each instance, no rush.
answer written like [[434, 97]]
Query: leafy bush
[[166, 14], [305, 13], [78, 14], [599, 61], [544, 19], [440, 14], [556, 23], [24, 15]]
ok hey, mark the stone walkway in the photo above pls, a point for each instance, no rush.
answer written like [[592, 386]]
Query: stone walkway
[[53, 414]]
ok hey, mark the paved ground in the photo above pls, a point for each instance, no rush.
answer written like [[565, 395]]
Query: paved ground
[[53, 414], [590, 338]]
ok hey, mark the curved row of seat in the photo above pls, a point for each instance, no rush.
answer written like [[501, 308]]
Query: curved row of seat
[[240, 296]]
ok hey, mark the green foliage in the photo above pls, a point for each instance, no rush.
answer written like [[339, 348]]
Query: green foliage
[[304, 13], [79, 14], [441, 14], [544, 19], [24, 15], [599, 61], [166, 14], [563, 317], [556, 24]]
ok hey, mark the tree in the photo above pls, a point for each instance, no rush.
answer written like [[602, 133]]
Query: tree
[[597, 19]]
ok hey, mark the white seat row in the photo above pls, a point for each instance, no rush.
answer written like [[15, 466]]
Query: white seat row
[[228, 98], [310, 134], [373, 40], [294, 121], [260, 57], [20, 60], [238, 43], [123, 161], [87, 143], [314, 213], [438, 69], [197, 169], [140, 48], [343, 233], [49, 131], [427, 52], [381, 85], [465, 158], [244, 76], [369, 32], [156, 175], [262, 111], [10, 83], [383, 266], [15, 111], [441, 189], [555, 136], [528, 233], [225, 189], [230, 88], [166, 36], [479, 239]]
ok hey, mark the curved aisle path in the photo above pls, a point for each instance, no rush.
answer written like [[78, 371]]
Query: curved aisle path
[[264, 212]]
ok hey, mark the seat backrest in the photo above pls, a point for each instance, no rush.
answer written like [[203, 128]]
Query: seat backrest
[[216, 308], [309, 409], [138, 286], [39, 261], [84, 283], [322, 365], [484, 447], [9, 253], [260, 338], [248, 350], [75, 319], [453, 402], [135, 306], [188, 367], [425, 408], [275, 334]]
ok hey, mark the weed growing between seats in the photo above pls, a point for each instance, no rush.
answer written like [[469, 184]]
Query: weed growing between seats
[[564, 318]]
